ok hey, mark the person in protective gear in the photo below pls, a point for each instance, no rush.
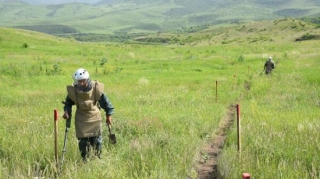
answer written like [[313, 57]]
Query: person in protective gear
[[88, 96], [269, 66]]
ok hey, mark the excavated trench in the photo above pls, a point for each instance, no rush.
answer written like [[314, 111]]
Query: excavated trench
[[208, 168]]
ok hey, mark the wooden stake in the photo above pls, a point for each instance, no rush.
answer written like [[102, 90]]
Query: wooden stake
[[56, 136], [238, 128], [216, 91]]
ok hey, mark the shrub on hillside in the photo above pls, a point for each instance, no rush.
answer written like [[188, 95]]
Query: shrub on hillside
[[24, 45], [308, 37]]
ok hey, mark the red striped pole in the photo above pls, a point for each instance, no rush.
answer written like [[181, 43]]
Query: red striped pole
[[238, 128], [55, 114]]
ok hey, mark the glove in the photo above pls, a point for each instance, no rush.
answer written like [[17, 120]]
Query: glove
[[108, 120], [65, 115]]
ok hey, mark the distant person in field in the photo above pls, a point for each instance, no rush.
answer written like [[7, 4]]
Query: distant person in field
[[88, 96], [269, 66]]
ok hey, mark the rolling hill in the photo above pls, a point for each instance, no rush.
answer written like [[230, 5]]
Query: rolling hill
[[124, 17]]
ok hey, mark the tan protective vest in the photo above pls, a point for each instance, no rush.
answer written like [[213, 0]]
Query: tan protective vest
[[87, 118]]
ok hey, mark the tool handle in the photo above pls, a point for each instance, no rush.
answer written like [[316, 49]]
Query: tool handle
[[68, 121], [109, 128], [112, 137]]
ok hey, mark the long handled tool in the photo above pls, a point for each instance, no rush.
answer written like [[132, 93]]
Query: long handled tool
[[68, 124], [112, 137]]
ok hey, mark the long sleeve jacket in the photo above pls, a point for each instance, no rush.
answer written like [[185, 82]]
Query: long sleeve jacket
[[104, 103]]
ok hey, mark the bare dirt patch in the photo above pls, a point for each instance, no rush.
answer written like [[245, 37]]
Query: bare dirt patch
[[208, 167]]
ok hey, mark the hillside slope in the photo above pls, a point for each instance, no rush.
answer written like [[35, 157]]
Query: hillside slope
[[108, 17], [267, 31]]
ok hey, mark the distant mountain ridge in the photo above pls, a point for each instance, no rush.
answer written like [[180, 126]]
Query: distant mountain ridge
[[48, 2], [147, 16]]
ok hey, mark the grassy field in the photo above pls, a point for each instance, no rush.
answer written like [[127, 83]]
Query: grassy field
[[280, 127], [165, 105]]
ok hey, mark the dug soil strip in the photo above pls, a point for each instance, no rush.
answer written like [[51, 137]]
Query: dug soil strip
[[208, 167]]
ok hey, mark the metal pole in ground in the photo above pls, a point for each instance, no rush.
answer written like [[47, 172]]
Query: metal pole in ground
[[68, 121]]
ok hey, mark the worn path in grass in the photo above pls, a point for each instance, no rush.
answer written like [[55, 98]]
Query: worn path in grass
[[208, 168]]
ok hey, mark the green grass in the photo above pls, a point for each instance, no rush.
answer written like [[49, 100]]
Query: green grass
[[279, 124], [165, 105]]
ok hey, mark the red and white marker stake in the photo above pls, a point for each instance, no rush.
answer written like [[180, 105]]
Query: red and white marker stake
[[56, 136], [245, 176], [216, 91], [238, 129]]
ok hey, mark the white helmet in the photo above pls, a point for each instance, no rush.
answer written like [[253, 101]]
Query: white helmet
[[80, 74], [270, 58]]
